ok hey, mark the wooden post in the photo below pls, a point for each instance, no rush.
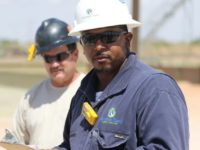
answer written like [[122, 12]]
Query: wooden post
[[135, 31]]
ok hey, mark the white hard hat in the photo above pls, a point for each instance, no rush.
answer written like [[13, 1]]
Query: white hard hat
[[92, 14]]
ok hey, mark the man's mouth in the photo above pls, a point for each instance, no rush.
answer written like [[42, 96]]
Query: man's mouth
[[55, 70], [101, 58]]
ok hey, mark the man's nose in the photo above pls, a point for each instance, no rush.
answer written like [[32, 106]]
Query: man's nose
[[99, 45], [54, 63]]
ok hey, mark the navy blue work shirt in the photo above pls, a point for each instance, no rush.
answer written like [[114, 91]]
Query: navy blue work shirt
[[141, 109]]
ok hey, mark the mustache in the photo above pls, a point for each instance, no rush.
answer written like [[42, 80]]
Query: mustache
[[101, 54], [55, 69]]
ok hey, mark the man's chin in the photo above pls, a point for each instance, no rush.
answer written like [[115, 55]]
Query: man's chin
[[103, 70], [58, 77]]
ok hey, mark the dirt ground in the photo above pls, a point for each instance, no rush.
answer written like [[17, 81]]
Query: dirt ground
[[192, 94]]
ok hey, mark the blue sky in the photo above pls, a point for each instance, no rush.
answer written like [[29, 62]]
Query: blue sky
[[20, 18]]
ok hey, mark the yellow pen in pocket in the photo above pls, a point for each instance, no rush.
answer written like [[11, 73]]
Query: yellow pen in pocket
[[89, 113]]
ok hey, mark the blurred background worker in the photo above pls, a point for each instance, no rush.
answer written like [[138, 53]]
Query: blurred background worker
[[122, 103], [42, 112]]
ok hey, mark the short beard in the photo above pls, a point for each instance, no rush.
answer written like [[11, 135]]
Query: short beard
[[103, 70], [111, 70]]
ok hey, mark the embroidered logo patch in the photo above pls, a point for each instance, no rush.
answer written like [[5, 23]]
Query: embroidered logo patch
[[111, 117], [111, 112]]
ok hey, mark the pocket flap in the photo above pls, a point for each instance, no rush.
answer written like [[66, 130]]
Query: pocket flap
[[109, 139]]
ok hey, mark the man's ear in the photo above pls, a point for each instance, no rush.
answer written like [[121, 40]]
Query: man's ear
[[128, 38], [75, 55]]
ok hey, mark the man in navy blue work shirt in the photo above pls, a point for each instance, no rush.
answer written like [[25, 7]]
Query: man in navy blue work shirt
[[133, 106]]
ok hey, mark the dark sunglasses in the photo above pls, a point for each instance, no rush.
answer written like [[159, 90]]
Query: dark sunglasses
[[105, 37], [59, 57]]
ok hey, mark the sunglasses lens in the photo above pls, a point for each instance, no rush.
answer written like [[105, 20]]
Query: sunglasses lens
[[106, 38], [62, 56], [88, 39], [49, 59], [59, 57], [109, 37]]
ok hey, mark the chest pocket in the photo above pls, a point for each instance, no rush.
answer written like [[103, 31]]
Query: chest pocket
[[106, 140]]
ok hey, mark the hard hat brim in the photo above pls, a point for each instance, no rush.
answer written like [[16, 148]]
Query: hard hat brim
[[67, 41], [76, 31]]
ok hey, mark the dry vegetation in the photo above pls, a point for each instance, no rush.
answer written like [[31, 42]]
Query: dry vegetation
[[171, 55]]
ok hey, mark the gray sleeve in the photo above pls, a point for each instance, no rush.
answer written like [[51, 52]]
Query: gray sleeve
[[19, 126]]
